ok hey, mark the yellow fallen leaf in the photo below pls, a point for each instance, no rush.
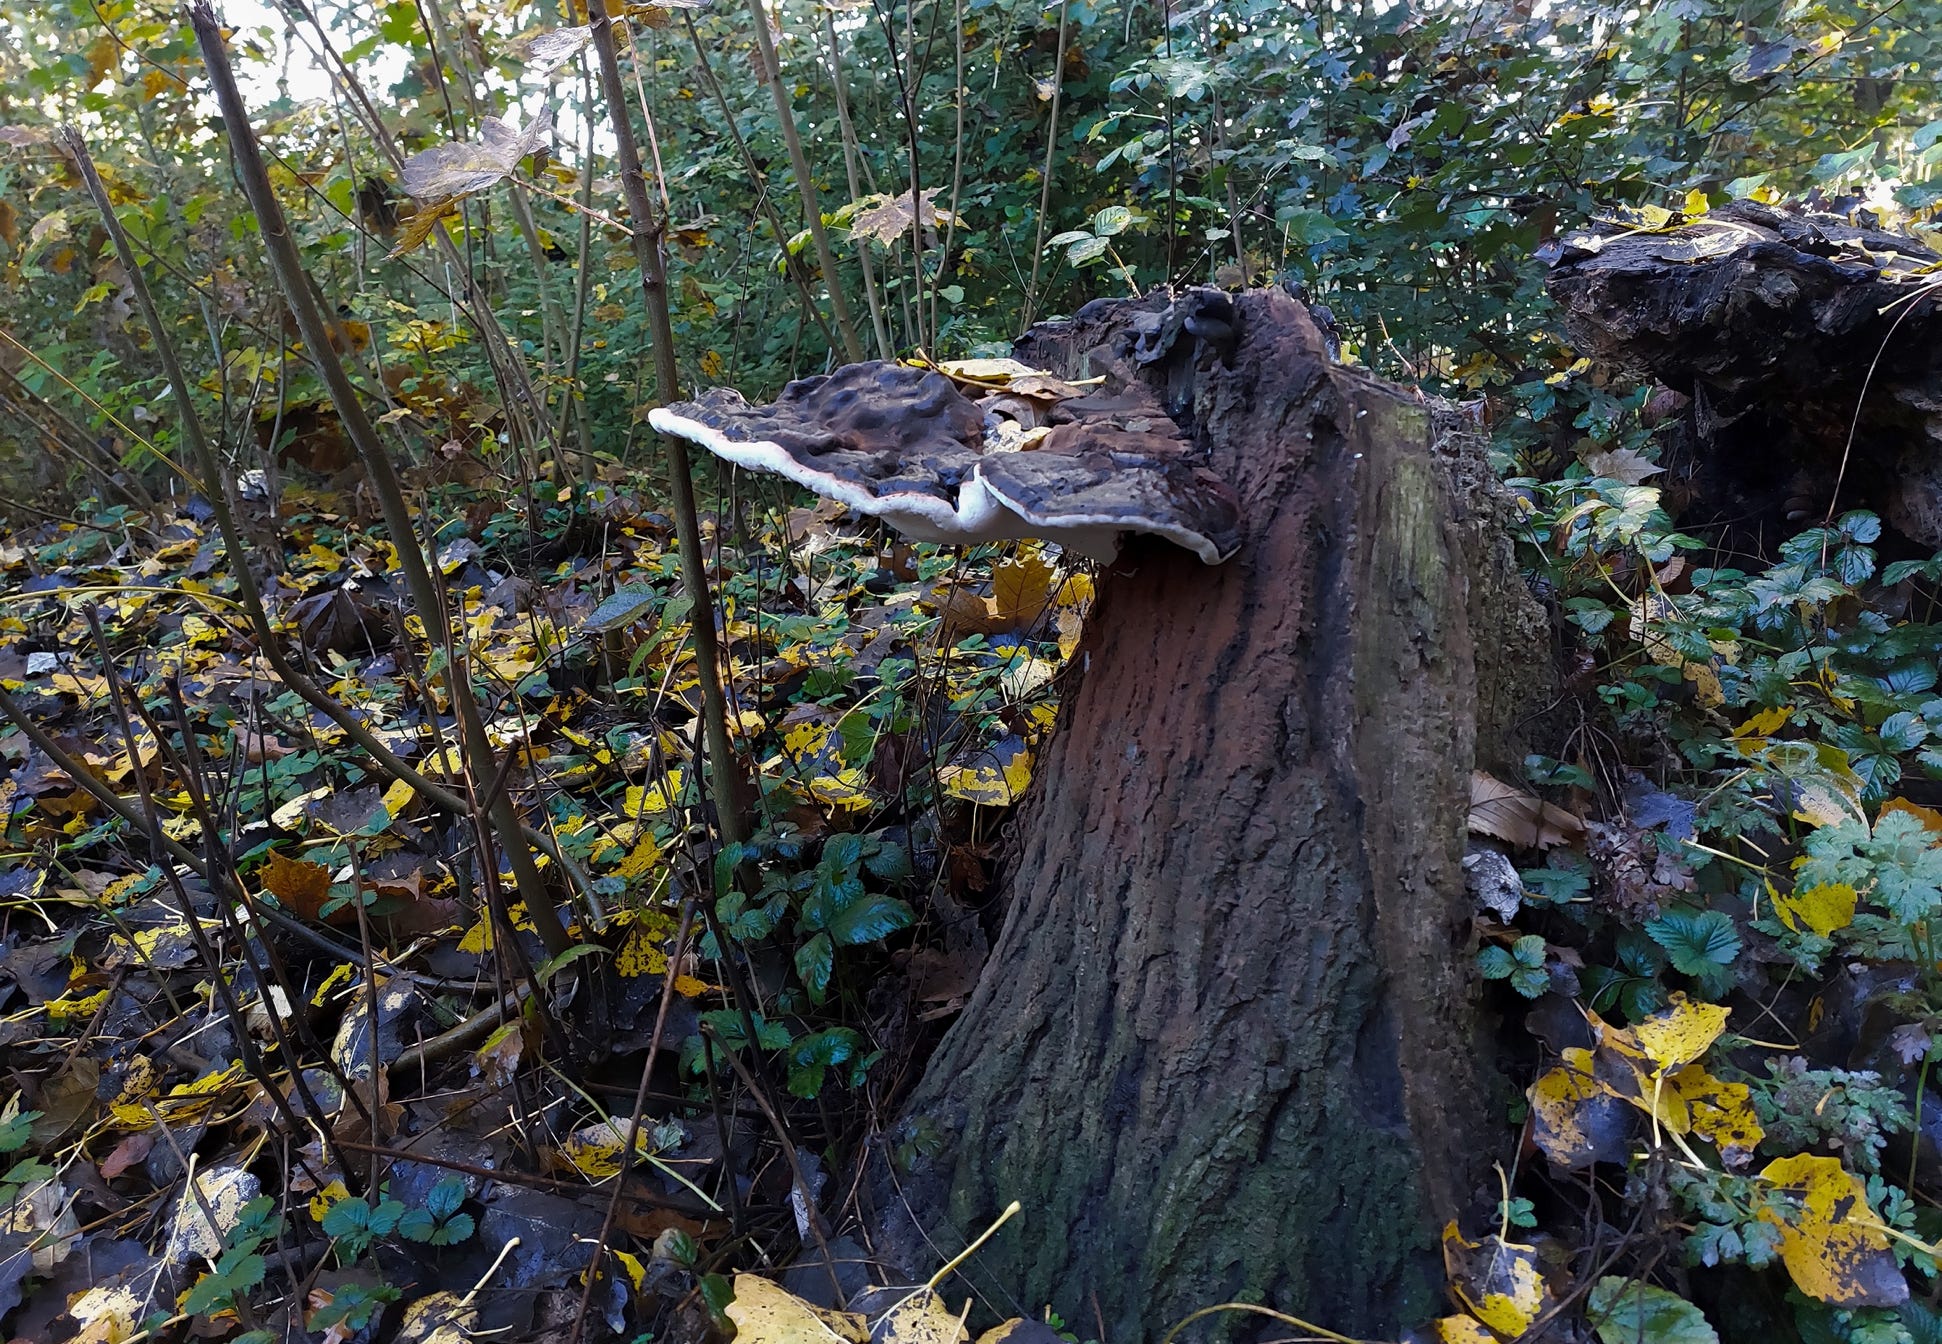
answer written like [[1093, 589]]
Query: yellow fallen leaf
[[1575, 1119], [921, 1318], [1722, 1113], [1496, 1281], [1830, 1241], [1824, 909], [767, 1314], [1463, 1330], [1674, 1036]]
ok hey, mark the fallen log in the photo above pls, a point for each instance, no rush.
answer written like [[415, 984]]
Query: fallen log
[[1809, 348]]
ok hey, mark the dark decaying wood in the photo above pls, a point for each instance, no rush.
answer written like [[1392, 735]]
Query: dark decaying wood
[[1227, 1043], [1811, 350]]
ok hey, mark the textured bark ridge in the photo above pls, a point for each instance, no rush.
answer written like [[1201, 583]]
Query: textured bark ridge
[[1810, 349], [1226, 1044]]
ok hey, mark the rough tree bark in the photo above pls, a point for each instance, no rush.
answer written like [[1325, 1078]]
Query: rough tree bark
[[1808, 350], [1227, 1044]]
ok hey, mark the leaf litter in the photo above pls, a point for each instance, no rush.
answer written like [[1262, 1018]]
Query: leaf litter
[[886, 701]]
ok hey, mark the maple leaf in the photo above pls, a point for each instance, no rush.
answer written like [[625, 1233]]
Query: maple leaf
[[888, 218]]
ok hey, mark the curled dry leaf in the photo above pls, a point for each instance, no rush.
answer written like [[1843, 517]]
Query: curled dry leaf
[[548, 49], [461, 167], [1517, 818]]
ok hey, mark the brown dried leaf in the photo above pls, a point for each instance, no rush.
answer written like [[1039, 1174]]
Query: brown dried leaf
[[300, 886], [888, 218], [419, 224], [465, 166], [1518, 818]]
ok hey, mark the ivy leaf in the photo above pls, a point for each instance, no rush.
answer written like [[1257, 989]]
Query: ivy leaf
[[1697, 943]]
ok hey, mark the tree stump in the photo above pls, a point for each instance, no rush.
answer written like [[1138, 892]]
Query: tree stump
[[1227, 1044]]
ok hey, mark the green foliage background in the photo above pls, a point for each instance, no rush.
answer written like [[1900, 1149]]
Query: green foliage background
[[1400, 161]]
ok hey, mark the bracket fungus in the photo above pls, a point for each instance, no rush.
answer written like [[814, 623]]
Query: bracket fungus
[[906, 445]]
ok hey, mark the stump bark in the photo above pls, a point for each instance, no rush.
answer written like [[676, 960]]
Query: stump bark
[[1227, 1044]]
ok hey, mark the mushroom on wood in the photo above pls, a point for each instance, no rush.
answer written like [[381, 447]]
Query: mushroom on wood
[[905, 445]]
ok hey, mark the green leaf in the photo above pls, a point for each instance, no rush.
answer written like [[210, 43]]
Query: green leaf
[[1627, 1312], [347, 1218], [1091, 249], [443, 1199], [891, 862], [1903, 732], [1495, 963], [15, 1132], [867, 920], [621, 607], [815, 962], [459, 1227], [1696, 942], [418, 1225], [552, 966], [1113, 220], [211, 1293]]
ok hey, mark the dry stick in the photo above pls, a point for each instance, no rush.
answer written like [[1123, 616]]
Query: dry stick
[[1218, 119], [432, 18], [225, 992], [648, 232], [193, 774], [508, 372], [1045, 173], [512, 1176], [757, 183], [737, 1216], [213, 484], [957, 164], [11, 710], [799, 164], [812, 1217], [288, 267], [29, 405], [904, 70], [634, 1122], [573, 400], [851, 157]]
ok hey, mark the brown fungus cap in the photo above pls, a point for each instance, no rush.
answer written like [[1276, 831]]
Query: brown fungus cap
[[904, 445]]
